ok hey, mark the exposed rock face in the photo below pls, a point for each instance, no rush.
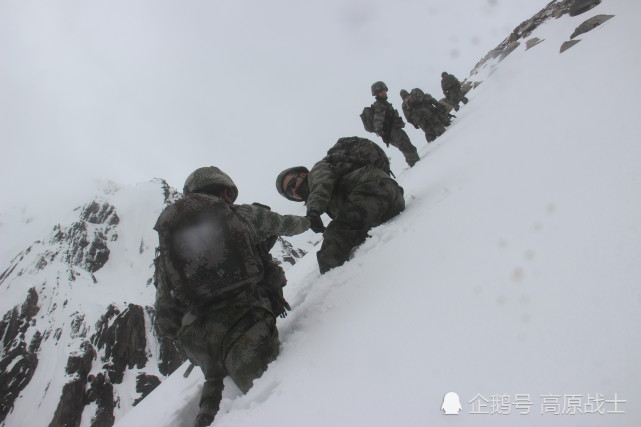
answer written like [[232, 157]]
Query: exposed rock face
[[86, 240], [73, 399], [554, 9], [523, 30], [289, 253], [18, 359], [67, 306], [590, 24], [581, 6], [568, 44], [122, 337]]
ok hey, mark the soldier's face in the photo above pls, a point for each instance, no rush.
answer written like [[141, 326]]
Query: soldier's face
[[382, 93], [292, 183]]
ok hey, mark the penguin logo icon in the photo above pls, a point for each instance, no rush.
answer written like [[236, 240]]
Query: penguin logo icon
[[451, 404]]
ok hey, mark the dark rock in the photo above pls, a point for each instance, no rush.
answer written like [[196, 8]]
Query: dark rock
[[553, 9], [532, 42], [18, 361], [171, 355], [123, 340], [73, 399], [568, 44], [145, 384], [71, 404], [89, 253], [581, 6], [96, 213], [101, 393], [590, 24], [511, 47], [78, 327], [290, 254]]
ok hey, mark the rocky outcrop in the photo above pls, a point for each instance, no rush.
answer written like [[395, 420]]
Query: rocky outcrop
[[122, 338], [590, 24], [554, 9], [119, 344], [85, 241], [18, 358], [522, 31], [73, 398], [581, 6], [288, 253], [170, 193], [106, 342]]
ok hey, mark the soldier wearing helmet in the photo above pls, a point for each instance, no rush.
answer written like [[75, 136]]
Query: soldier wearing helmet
[[356, 194], [233, 334], [426, 113], [452, 90], [389, 125]]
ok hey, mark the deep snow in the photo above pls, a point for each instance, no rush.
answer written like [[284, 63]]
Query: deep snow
[[512, 278]]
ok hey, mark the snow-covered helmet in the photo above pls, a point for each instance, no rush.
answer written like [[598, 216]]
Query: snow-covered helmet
[[210, 179]]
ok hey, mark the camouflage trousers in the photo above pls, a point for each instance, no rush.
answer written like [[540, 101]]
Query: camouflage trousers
[[399, 139], [235, 341], [367, 206], [456, 96], [431, 125]]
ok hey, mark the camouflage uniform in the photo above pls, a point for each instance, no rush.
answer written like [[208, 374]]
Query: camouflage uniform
[[389, 126], [425, 113], [452, 90], [356, 200], [237, 334]]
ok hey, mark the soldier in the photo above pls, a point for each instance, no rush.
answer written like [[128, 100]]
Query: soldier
[[452, 90], [425, 113], [352, 184], [387, 124], [218, 291]]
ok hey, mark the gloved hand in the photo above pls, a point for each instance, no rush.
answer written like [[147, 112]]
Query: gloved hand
[[316, 223]]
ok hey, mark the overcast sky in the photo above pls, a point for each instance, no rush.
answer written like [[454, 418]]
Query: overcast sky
[[130, 90]]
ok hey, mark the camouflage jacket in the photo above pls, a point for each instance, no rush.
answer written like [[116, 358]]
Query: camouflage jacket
[[261, 223], [385, 117], [419, 104], [331, 183], [449, 82]]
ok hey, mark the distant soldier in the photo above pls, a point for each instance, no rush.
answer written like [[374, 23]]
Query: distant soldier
[[425, 113], [452, 90], [386, 123]]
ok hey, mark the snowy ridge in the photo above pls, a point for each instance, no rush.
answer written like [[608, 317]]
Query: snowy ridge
[[511, 278]]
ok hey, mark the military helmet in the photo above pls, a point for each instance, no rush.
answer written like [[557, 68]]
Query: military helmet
[[404, 94], [378, 87], [208, 179], [444, 73], [281, 178]]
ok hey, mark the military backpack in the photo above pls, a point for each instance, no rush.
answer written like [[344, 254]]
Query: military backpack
[[204, 251], [367, 117], [360, 152]]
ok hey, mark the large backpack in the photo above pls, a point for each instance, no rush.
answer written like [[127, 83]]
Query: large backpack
[[367, 117], [360, 152], [205, 251]]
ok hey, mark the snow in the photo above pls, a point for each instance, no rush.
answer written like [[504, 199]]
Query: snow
[[512, 276]]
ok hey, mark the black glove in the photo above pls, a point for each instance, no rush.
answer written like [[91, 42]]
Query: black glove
[[315, 223]]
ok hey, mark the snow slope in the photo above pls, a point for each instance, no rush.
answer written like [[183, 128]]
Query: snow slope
[[512, 278]]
